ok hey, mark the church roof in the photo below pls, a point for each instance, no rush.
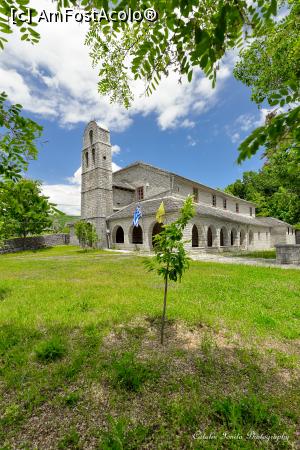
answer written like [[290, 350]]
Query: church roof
[[172, 204], [273, 222], [124, 185], [150, 166]]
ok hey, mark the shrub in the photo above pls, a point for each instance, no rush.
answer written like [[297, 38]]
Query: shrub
[[86, 234]]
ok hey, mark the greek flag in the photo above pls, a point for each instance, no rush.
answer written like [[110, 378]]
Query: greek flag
[[136, 216]]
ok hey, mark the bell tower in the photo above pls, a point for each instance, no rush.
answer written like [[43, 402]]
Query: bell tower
[[96, 179]]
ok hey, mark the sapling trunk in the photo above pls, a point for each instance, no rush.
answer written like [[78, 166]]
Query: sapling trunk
[[164, 311]]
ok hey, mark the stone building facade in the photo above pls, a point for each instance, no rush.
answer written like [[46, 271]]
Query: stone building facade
[[108, 200]]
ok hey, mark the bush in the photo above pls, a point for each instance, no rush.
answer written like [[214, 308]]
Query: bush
[[86, 234]]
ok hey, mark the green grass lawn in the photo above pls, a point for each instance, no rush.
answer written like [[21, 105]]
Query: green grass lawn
[[266, 254], [82, 367]]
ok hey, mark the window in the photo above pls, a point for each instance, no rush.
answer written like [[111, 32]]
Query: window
[[195, 194], [224, 203], [91, 136], [251, 212], [87, 159], [258, 235], [93, 155], [214, 200], [288, 230], [237, 208], [140, 193]]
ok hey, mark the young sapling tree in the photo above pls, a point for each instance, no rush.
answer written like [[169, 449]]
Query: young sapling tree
[[171, 260]]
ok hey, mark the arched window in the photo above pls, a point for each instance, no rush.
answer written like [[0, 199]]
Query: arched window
[[209, 237], [86, 159], [137, 235], [195, 236], [250, 237], [120, 235], [93, 155], [156, 230], [91, 136]]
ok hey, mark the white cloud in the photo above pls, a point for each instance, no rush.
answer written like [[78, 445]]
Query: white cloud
[[235, 137], [244, 124], [55, 79], [115, 167], [187, 123], [65, 196], [75, 178], [115, 149], [191, 141]]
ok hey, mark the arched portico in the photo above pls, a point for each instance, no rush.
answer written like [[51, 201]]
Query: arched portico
[[233, 237], [156, 229], [211, 235], [242, 238], [136, 235], [195, 236], [223, 237], [251, 237]]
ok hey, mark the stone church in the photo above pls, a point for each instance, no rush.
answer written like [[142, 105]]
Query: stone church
[[108, 200]]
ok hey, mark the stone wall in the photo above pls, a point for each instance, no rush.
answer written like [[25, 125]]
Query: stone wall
[[185, 188], [34, 242], [288, 254], [154, 181]]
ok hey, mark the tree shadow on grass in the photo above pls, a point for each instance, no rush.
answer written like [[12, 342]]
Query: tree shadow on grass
[[4, 292], [124, 387]]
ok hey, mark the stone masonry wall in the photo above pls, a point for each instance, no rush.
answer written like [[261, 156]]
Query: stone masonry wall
[[205, 196], [153, 181], [34, 242], [288, 254]]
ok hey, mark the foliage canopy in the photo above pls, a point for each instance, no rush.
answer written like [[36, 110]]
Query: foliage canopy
[[23, 208], [270, 66], [18, 140], [86, 234], [275, 188]]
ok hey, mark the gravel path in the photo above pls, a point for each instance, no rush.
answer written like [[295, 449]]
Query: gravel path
[[263, 262]]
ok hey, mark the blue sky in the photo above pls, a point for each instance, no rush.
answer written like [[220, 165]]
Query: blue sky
[[189, 129]]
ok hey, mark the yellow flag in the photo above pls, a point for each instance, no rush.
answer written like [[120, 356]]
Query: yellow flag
[[160, 213]]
